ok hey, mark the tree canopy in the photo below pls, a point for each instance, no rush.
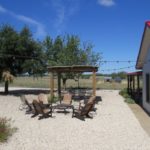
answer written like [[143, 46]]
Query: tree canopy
[[21, 53]]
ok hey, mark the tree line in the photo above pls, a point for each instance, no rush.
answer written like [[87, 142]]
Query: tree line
[[20, 52]]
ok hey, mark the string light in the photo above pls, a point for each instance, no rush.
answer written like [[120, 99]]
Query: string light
[[117, 69], [99, 62]]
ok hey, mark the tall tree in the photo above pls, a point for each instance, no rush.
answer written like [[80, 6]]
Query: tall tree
[[8, 48], [31, 50], [58, 47], [67, 51], [19, 52], [47, 46]]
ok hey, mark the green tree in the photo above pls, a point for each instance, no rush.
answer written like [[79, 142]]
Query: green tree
[[67, 51], [90, 57], [19, 52], [47, 46], [33, 60], [58, 49], [8, 48]]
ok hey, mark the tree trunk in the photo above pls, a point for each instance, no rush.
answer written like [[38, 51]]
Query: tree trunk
[[6, 87], [64, 83]]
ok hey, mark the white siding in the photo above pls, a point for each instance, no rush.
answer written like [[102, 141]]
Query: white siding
[[146, 69]]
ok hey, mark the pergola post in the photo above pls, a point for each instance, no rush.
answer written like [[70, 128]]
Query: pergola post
[[59, 86], [128, 83], [52, 85], [94, 83], [138, 82], [133, 78], [138, 86]]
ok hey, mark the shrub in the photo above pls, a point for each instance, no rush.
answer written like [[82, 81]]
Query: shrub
[[129, 100], [53, 99], [127, 97], [5, 129]]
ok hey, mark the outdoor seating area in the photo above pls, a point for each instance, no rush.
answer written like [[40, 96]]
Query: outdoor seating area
[[41, 105]]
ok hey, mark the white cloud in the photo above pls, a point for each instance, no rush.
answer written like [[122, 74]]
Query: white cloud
[[106, 3], [40, 30], [26, 19], [64, 11], [2, 9], [40, 27]]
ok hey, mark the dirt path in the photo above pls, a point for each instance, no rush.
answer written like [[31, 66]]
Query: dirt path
[[142, 116]]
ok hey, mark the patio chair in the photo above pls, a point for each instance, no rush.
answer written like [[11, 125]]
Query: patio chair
[[41, 109], [83, 111], [90, 100], [65, 103], [25, 104], [67, 99], [43, 98]]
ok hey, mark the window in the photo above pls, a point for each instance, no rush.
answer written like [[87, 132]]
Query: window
[[147, 87]]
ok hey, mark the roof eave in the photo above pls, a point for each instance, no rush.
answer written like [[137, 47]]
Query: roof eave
[[140, 66]]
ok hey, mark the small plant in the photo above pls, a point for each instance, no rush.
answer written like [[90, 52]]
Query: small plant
[[53, 99], [129, 100], [5, 129], [127, 97]]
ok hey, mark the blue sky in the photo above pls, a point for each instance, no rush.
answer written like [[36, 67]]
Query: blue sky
[[115, 27]]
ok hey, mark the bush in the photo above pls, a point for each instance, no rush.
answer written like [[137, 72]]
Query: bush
[[5, 129], [127, 97], [54, 99], [129, 100]]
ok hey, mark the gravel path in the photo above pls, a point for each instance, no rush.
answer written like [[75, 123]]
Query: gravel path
[[114, 127]]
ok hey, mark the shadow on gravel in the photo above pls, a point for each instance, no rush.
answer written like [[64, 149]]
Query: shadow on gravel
[[19, 92]]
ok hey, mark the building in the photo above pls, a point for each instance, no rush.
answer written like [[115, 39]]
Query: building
[[107, 79], [143, 63]]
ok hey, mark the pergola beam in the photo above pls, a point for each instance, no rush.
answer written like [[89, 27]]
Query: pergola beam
[[59, 86]]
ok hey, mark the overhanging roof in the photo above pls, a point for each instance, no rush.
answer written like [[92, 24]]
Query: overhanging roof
[[135, 73], [74, 68], [145, 43]]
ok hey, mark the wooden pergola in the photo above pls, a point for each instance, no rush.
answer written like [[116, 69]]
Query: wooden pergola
[[74, 69]]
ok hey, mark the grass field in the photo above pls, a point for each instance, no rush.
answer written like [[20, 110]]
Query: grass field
[[44, 82]]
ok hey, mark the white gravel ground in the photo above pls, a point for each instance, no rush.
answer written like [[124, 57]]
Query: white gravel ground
[[114, 127]]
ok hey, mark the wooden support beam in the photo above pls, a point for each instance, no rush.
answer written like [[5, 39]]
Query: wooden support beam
[[130, 86], [138, 82], [128, 80], [133, 78], [94, 83], [59, 86], [52, 85]]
